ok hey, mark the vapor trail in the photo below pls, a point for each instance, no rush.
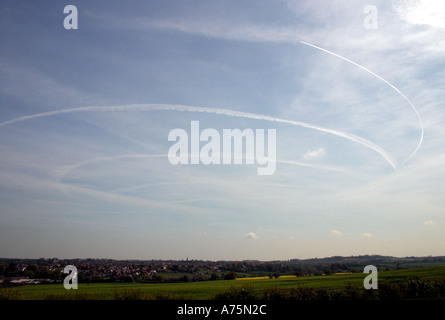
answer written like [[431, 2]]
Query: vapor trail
[[64, 170], [385, 81], [166, 107]]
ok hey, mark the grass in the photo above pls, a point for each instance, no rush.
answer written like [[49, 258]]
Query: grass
[[205, 290]]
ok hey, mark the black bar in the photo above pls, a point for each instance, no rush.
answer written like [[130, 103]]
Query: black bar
[[198, 309]]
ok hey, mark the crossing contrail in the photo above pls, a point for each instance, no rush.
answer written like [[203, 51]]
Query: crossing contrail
[[64, 170], [233, 113], [168, 107], [385, 81]]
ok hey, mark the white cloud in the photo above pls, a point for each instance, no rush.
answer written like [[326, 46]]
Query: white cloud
[[337, 233], [429, 12], [291, 238], [315, 154], [429, 222], [252, 235], [367, 235]]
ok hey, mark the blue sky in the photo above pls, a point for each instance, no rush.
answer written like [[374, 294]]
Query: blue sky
[[86, 113]]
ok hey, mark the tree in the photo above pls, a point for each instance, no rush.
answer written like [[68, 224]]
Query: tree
[[230, 276], [157, 278], [214, 276], [43, 272], [127, 278], [11, 270]]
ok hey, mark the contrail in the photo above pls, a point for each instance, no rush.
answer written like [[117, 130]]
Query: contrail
[[64, 170], [385, 81], [226, 112]]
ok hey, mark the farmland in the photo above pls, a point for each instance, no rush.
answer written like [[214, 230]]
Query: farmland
[[419, 281]]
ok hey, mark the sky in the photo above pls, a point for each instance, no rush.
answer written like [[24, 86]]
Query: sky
[[353, 89]]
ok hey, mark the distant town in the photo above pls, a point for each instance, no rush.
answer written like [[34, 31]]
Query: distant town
[[91, 270]]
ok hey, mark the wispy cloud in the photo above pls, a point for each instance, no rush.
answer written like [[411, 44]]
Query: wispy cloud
[[63, 171], [315, 154], [226, 112], [335, 92], [244, 31], [253, 32], [337, 233], [38, 88]]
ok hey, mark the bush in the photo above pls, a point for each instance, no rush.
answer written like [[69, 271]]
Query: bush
[[10, 294], [299, 293], [130, 294], [230, 276], [165, 296], [184, 278], [245, 292], [72, 296], [413, 289]]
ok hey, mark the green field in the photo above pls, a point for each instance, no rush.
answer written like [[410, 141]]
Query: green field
[[205, 290]]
